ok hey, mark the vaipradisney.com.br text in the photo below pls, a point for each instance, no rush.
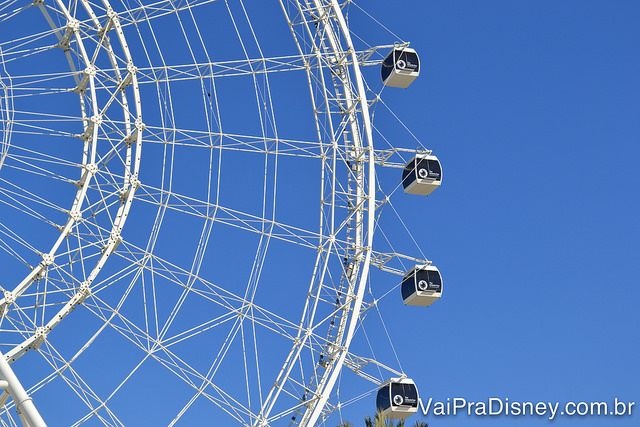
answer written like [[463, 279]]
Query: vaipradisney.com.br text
[[496, 406]]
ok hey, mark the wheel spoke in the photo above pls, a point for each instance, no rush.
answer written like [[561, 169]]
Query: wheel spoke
[[227, 261]]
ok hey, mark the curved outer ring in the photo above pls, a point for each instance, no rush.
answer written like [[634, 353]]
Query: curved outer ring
[[6, 113], [329, 14], [91, 127], [314, 411]]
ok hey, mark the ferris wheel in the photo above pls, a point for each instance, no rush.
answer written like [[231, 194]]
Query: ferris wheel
[[189, 193]]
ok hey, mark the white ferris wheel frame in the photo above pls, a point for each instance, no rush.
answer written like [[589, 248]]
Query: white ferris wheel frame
[[333, 50]]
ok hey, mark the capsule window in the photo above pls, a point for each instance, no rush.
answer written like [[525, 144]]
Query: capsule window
[[408, 287], [408, 174], [428, 169], [404, 395], [387, 67], [407, 61], [428, 280], [383, 400]]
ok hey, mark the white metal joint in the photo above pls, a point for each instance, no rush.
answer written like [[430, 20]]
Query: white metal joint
[[134, 182], [47, 259], [9, 297], [75, 215], [73, 25], [139, 125], [91, 168]]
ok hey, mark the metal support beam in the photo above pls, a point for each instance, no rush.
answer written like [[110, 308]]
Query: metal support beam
[[24, 404]]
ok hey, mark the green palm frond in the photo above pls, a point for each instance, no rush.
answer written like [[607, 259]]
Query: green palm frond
[[379, 420]]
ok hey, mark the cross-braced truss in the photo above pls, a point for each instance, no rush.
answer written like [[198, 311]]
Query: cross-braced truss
[[188, 200]]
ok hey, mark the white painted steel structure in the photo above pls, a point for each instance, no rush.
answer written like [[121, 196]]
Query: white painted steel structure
[[167, 288]]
